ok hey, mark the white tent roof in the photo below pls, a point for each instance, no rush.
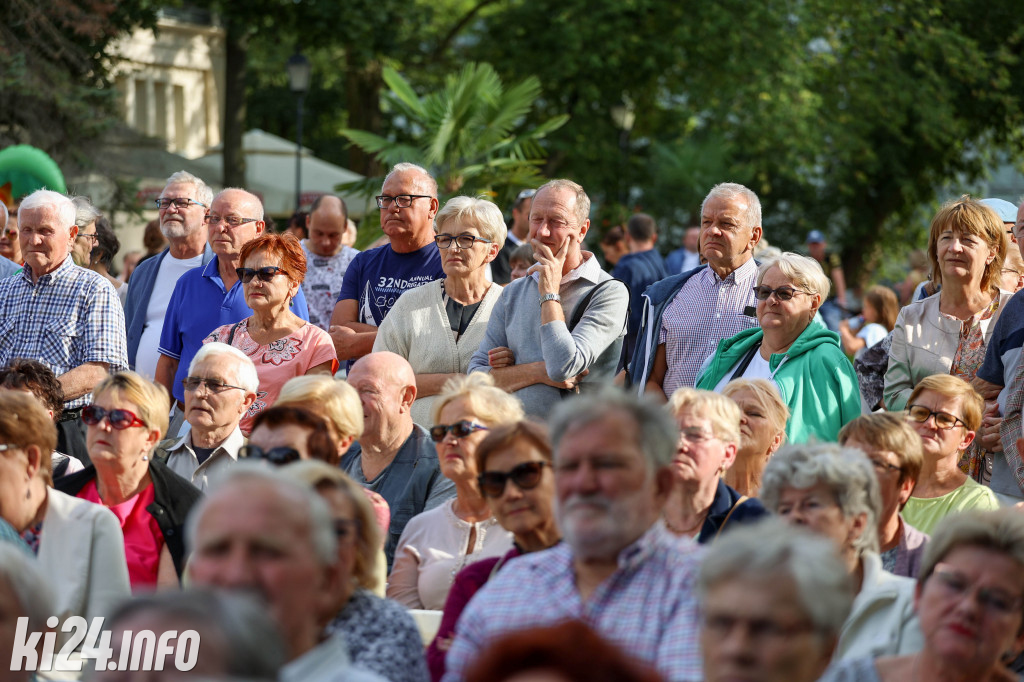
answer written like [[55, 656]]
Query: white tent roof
[[270, 173]]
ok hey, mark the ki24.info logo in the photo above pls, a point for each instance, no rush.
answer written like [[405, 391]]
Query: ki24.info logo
[[143, 650]]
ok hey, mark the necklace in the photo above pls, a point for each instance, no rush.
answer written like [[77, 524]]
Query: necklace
[[686, 531]]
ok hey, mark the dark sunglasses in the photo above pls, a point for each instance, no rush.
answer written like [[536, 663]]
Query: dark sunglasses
[[459, 429], [119, 419], [763, 293], [266, 273], [526, 476], [278, 456]]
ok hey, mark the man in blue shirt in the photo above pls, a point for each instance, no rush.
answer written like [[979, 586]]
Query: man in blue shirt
[[639, 269], [376, 278], [207, 297]]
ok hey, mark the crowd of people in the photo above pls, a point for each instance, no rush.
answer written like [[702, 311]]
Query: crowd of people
[[473, 454]]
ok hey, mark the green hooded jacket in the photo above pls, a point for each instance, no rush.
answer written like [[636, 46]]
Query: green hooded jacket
[[815, 379]]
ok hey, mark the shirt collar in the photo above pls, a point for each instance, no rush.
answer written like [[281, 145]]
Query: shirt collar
[[56, 273], [631, 557], [748, 269], [230, 445], [588, 270]]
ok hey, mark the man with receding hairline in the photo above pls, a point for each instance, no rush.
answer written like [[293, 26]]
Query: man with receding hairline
[[327, 257], [394, 457]]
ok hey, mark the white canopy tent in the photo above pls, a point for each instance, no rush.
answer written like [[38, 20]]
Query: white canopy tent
[[270, 173]]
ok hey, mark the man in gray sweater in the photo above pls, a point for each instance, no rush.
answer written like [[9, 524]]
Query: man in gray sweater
[[561, 326]]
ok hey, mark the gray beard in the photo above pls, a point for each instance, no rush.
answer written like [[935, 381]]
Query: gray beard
[[175, 230]]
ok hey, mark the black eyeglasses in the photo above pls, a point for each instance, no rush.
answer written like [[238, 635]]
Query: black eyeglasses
[[763, 293], [526, 476], [459, 429], [180, 204], [230, 221], [943, 420], [212, 385], [463, 241], [994, 600], [881, 466], [278, 456], [401, 200], [266, 273], [345, 528], [119, 419], [95, 237]]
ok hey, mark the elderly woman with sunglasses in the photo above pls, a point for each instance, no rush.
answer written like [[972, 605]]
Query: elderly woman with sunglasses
[[436, 544], [946, 412], [280, 343], [437, 327], [126, 419], [516, 477], [800, 356], [970, 602]]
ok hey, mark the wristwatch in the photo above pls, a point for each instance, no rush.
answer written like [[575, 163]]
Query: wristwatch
[[550, 297]]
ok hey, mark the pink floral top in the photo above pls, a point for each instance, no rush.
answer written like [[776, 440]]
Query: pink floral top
[[278, 361], [969, 356]]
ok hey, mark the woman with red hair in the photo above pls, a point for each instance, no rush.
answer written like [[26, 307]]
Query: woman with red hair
[[280, 343]]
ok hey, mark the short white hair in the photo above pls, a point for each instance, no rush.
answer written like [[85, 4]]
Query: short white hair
[[321, 527], [204, 194], [803, 271], [734, 190], [245, 375], [45, 198], [27, 584], [480, 213], [404, 167], [85, 212]]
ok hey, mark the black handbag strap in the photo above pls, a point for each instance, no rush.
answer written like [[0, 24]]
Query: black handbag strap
[[581, 308], [744, 362], [234, 328]]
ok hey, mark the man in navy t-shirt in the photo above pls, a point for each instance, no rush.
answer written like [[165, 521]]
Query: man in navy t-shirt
[[376, 278], [639, 269]]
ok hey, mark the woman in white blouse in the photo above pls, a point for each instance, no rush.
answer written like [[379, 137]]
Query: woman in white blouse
[[438, 543]]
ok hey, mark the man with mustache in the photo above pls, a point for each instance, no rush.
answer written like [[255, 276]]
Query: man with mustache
[[685, 316], [618, 569], [182, 205], [220, 386]]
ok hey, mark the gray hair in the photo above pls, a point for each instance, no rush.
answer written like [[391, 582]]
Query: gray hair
[[254, 647], [85, 212], [846, 471], [582, 200], [999, 531], [28, 585], [321, 528], [405, 166], [255, 200], [734, 190], [4, 214], [771, 549], [245, 375], [657, 433], [474, 212], [204, 194], [43, 198], [492, 405], [803, 271]]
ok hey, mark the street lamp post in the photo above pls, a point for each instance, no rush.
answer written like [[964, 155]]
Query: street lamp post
[[624, 116], [298, 81]]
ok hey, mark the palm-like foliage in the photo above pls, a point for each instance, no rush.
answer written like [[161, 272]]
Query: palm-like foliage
[[471, 134]]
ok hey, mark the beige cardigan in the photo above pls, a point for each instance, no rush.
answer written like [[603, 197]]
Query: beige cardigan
[[924, 342], [417, 328]]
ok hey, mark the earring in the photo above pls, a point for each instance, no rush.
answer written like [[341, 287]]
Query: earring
[[145, 458]]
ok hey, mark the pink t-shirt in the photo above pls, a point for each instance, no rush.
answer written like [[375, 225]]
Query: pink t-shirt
[[143, 540], [278, 361]]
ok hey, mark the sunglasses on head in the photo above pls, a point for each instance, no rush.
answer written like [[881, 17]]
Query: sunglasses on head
[[119, 419], [278, 456], [459, 429], [266, 273], [526, 476], [763, 293]]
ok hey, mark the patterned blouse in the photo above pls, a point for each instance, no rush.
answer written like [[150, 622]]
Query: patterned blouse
[[970, 355]]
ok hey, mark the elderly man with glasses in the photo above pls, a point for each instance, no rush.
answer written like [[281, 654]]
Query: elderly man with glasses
[[376, 278], [220, 386], [207, 297]]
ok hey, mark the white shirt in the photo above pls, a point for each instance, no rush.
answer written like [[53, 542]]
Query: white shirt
[[171, 269], [182, 459]]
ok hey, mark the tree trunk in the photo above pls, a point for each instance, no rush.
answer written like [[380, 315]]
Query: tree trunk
[[362, 97], [236, 49]]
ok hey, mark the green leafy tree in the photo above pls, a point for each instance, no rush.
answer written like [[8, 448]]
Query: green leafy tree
[[470, 133]]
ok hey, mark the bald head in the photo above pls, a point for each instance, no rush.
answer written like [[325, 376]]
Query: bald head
[[241, 199], [326, 226], [386, 386]]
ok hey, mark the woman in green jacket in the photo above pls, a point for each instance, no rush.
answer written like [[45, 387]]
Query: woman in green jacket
[[800, 356]]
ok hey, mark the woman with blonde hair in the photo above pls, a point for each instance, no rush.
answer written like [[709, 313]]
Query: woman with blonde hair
[[380, 635], [802, 358], [330, 398], [436, 544], [701, 504], [437, 327], [762, 431], [127, 418]]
